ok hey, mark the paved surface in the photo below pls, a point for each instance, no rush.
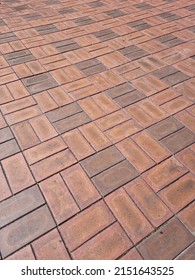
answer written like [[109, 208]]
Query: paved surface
[[97, 129]]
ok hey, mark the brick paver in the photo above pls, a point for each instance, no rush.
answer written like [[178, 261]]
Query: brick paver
[[97, 122]]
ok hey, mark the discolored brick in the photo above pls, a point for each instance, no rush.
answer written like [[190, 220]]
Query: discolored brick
[[25, 253], [4, 188]]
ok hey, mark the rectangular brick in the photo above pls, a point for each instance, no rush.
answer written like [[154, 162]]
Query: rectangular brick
[[173, 234], [107, 245], [135, 155], [164, 128], [101, 161], [8, 148], [4, 188], [187, 119], [5, 134], [106, 103], [19, 205], [52, 165], [19, 57], [24, 230], [176, 105], [152, 147], [17, 89], [44, 150], [179, 140], [179, 193], [139, 115], [25, 253], [78, 144], [93, 110], [94, 135], [186, 216], [188, 254], [86, 225], [163, 174], [187, 157], [58, 198], [112, 120], [17, 105], [148, 202], [5, 95], [115, 177], [128, 215], [74, 177]]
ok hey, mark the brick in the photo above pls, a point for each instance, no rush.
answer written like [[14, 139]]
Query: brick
[[78, 144], [163, 174], [173, 236], [45, 101], [108, 245], [2, 121], [44, 150], [60, 96], [17, 105], [50, 247], [115, 177], [112, 120], [176, 105], [25, 135], [179, 140], [166, 97], [22, 70], [8, 79], [128, 215], [165, 128], [152, 147], [5, 134], [188, 254], [148, 202], [91, 108], [25, 253], [52, 165], [187, 119], [58, 198], [86, 225], [179, 193], [133, 254], [122, 131], [4, 188], [24, 230], [101, 161], [17, 89], [135, 155], [139, 115], [186, 216], [43, 128], [8, 148], [187, 157], [35, 67], [22, 115], [153, 110], [19, 205], [94, 135], [5, 95], [106, 103], [74, 177]]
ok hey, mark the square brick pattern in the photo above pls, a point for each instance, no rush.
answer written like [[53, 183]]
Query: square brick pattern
[[97, 123]]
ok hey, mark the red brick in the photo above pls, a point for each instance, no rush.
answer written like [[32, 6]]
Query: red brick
[[45, 102], [59, 198], [149, 203], [139, 115], [152, 147], [43, 128], [165, 96], [163, 174], [187, 157], [35, 67], [7, 79], [187, 119], [52, 165], [107, 245], [25, 253], [44, 150], [133, 254], [122, 131], [22, 70], [25, 135], [2, 121], [17, 89], [94, 135], [4, 188], [17, 172], [60, 96], [17, 105], [86, 225], [24, 230], [187, 217], [5, 95], [107, 104], [135, 155], [112, 120], [78, 144], [176, 105], [128, 215], [50, 247], [180, 193], [91, 108], [80, 186], [167, 242], [153, 110], [188, 254]]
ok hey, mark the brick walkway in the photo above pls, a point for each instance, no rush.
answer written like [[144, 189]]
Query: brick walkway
[[97, 129]]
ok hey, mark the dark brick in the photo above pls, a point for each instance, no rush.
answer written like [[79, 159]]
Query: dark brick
[[179, 140], [169, 16], [19, 57], [101, 161], [167, 242], [105, 35], [188, 254], [66, 46], [19, 205], [120, 90], [7, 37], [115, 13], [8, 148], [115, 177], [95, 4], [143, 6], [139, 25], [129, 98], [71, 122], [176, 78], [5, 134], [133, 52], [165, 72], [46, 29], [67, 10], [165, 128], [64, 112], [91, 67], [24, 230], [84, 21]]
